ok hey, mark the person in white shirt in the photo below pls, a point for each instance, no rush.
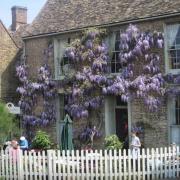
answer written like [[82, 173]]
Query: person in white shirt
[[135, 145]]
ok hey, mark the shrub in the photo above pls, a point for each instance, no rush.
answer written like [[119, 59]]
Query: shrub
[[112, 142], [41, 141]]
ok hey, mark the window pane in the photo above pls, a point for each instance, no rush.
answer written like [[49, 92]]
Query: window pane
[[113, 67], [177, 111], [117, 35], [115, 64], [118, 67], [117, 46]]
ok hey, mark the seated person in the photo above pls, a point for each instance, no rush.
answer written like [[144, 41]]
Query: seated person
[[23, 143]]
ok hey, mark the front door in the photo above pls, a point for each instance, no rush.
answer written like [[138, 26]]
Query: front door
[[121, 117]]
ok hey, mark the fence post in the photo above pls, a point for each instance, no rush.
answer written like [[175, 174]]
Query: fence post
[[20, 164], [49, 164]]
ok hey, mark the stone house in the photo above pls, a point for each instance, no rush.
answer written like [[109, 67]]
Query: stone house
[[59, 21], [10, 51]]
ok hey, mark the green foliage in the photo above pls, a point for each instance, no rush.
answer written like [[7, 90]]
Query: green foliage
[[112, 142], [41, 141], [8, 126]]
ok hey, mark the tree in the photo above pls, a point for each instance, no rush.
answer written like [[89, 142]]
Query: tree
[[8, 126]]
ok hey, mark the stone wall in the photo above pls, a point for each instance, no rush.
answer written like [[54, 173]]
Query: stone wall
[[8, 59], [35, 59], [155, 124]]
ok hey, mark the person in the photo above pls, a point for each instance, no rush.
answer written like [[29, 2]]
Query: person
[[23, 143], [14, 150], [175, 155], [135, 145]]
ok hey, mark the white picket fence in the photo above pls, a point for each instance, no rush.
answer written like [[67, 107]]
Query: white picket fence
[[159, 163]]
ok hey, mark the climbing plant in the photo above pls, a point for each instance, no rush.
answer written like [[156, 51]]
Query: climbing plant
[[88, 56], [140, 78], [31, 91]]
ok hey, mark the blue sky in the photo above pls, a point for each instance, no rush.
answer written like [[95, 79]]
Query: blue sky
[[34, 6]]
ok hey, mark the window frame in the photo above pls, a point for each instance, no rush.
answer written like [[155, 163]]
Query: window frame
[[171, 114], [112, 50], [58, 54], [168, 69]]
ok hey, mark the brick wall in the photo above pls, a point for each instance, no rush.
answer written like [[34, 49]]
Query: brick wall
[[8, 58]]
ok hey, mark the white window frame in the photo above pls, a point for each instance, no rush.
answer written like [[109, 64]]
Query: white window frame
[[171, 118], [60, 44], [110, 121], [167, 63], [111, 40]]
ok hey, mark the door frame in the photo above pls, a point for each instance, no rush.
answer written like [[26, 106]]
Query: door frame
[[108, 119]]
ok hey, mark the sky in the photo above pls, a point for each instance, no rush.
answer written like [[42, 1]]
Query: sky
[[33, 6]]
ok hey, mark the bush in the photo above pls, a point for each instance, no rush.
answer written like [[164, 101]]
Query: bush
[[112, 142], [41, 141]]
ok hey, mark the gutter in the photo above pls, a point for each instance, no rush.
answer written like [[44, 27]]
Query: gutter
[[103, 25]]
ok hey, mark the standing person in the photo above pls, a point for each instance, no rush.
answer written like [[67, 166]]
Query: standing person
[[14, 151], [23, 143], [135, 145]]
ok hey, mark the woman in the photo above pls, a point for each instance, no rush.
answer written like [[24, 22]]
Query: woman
[[135, 145]]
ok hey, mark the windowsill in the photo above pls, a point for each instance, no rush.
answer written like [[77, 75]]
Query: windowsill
[[60, 77], [111, 75], [173, 125]]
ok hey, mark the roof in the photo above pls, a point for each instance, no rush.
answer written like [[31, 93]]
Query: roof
[[63, 15], [17, 35], [9, 34]]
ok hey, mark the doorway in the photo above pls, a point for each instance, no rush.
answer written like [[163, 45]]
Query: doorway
[[121, 119]]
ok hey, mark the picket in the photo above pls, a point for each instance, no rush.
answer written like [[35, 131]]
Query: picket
[[159, 163]]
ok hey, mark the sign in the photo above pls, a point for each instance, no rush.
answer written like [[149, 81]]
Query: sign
[[13, 109]]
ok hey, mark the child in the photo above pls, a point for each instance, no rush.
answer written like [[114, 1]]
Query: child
[[23, 143]]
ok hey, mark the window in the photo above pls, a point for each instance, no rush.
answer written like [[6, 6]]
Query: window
[[61, 60], [114, 64], [174, 119], [173, 46], [177, 109]]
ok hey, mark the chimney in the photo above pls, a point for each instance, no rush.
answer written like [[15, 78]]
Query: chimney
[[19, 17]]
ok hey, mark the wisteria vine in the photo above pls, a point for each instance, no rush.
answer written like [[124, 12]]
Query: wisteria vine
[[88, 57], [141, 77], [31, 92]]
